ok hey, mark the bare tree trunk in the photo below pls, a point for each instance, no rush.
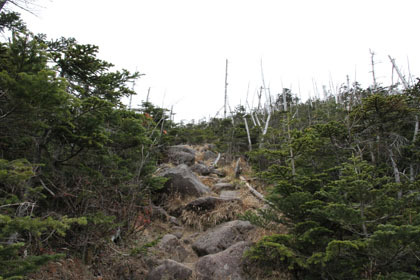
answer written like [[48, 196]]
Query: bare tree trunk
[[254, 191], [396, 171], [253, 119], [265, 129], [238, 169], [21, 4], [372, 154], [416, 126], [248, 134], [2, 3], [259, 98], [416, 131], [147, 96], [226, 84], [216, 161], [232, 116], [263, 83], [362, 216], [257, 119], [292, 157], [404, 82], [372, 54], [284, 101]]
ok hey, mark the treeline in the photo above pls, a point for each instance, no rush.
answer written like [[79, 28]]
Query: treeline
[[76, 166]]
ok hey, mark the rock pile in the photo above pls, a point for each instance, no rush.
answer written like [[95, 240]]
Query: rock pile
[[214, 254]]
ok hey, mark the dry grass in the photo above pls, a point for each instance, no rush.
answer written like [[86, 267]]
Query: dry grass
[[224, 212], [208, 181], [70, 268], [248, 199], [199, 152], [199, 156], [176, 201]]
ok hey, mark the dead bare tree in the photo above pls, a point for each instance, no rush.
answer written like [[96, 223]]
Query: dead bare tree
[[2, 3], [268, 99], [248, 134], [400, 75], [26, 5], [416, 122], [372, 61], [226, 84]]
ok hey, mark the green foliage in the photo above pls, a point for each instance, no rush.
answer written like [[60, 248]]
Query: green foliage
[[17, 222], [340, 183], [11, 21], [143, 249], [73, 159]]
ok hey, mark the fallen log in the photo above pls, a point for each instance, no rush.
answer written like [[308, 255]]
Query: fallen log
[[255, 192]]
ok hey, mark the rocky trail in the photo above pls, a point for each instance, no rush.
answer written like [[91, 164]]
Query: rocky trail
[[200, 234], [193, 229]]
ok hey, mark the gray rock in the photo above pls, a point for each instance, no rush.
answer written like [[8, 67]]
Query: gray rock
[[209, 155], [181, 148], [178, 234], [223, 265], [207, 203], [170, 270], [221, 237], [183, 181], [159, 213], [200, 169], [174, 221], [171, 245], [229, 195], [177, 229], [223, 186], [181, 154]]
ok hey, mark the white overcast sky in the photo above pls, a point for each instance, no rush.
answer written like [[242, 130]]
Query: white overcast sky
[[181, 45]]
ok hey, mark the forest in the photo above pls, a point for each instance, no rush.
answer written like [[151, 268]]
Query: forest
[[340, 173]]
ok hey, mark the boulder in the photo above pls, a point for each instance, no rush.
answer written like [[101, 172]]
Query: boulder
[[159, 213], [170, 270], [174, 221], [207, 203], [171, 245], [201, 169], [223, 186], [181, 154], [209, 155], [221, 237], [223, 265], [183, 181]]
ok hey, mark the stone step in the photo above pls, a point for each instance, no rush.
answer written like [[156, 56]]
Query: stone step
[[223, 186], [229, 195]]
